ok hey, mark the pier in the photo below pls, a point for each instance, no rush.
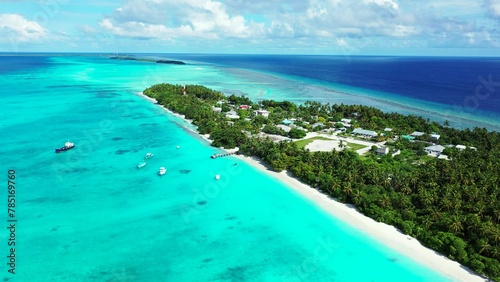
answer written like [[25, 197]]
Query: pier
[[214, 156]]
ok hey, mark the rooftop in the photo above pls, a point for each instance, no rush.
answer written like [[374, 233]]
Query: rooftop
[[435, 148], [417, 133], [364, 132]]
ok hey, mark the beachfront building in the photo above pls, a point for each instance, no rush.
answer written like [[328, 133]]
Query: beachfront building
[[364, 133], [434, 150], [263, 113]]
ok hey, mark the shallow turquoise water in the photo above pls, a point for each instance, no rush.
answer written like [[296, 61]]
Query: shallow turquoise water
[[90, 215]]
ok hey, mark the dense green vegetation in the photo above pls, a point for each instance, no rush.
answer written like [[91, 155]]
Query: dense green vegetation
[[451, 206]]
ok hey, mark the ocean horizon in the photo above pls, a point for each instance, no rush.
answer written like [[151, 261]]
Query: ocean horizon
[[89, 214]]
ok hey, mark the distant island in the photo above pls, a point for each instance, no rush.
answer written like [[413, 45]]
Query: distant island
[[130, 58], [435, 183]]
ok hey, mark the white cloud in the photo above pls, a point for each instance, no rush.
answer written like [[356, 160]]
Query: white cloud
[[341, 42], [382, 3], [18, 29], [169, 19], [493, 8], [304, 24]]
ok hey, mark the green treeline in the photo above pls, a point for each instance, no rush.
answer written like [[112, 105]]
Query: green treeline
[[451, 206]]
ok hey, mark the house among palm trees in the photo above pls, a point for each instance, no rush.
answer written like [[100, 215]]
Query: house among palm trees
[[434, 150], [382, 151], [364, 133], [435, 136], [263, 113], [417, 134]]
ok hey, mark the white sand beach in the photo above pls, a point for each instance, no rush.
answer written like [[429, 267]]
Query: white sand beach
[[386, 234]]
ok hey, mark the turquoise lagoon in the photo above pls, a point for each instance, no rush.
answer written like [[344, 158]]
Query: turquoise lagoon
[[90, 215]]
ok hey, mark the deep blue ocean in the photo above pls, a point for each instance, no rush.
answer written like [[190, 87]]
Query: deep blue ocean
[[89, 214], [442, 79], [467, 87]]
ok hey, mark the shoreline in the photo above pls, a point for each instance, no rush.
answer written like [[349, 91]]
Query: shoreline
[[385, 234]]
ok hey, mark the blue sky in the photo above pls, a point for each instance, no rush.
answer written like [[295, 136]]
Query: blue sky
[[343, 27]]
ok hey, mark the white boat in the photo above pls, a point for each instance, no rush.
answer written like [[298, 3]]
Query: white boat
[[217, 176], [162, 171], [67, 146], [141, 165], [148, 156]]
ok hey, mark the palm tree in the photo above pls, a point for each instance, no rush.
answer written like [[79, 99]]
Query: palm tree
[[347, 189], [357, 197], [435, 213], [385, 201], [405, 190], [456, 224], [447, 204], [495, 252], [483, 245], [494, 235], [427, 222]]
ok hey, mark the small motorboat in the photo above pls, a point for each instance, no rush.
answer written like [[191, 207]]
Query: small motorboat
[[141, 165], [217, 177], [162, 171], [67, 146], [148, 156]]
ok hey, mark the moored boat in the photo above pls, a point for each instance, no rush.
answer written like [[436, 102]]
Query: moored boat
[[141, 165], [148, 156], [67, 146], [162, 171]]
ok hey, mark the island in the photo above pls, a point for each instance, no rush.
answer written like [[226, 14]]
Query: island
[[131, 58], [435, 183]]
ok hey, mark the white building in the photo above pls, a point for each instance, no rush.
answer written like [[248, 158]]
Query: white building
[[382, 151], [435, 136], [263, 113], [283, 127], [232, 115], [434, 150], [365, 133], [417, 134]]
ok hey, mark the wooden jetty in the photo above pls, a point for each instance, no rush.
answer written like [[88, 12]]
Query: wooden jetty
[[214, 156]]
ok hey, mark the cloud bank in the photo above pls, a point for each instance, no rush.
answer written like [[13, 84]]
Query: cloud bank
[[18, 29]]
